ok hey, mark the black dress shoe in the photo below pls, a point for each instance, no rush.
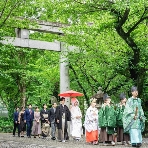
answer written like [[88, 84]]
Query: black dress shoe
[[138, 144], [134, 145], [53, 138]]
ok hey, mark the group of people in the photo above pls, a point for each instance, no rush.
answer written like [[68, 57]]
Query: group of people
[[37, 122], [123, 122], [40, 123]]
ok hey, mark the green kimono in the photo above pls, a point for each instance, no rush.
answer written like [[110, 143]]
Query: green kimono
[[107, 118], [135, 127], [119, 115]]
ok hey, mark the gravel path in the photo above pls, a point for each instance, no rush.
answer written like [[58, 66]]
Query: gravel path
[[8, 141]]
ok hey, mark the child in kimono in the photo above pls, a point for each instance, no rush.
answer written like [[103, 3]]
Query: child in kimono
[[107, 121], [123, 137], [91, 123]]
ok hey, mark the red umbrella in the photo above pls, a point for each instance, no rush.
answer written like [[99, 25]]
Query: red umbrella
[[70, 93]]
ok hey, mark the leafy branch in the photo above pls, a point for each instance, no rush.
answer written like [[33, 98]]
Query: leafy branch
[[125, 17], [138, 22], [96, 6], [80, 85], [109, 81], [2, 12], [10, 12]]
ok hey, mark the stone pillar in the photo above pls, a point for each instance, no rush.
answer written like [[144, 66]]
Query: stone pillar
[[22, 33], [64, 75], [64, 72]]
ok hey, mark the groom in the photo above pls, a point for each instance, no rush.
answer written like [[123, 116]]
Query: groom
[[62, 116]]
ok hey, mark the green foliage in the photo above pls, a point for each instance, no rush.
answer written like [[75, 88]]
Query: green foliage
[[111, 37], [24, 68], [145, 133], [6, 125]]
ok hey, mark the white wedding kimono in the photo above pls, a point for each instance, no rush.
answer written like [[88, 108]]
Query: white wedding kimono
[[76, 124], [91, 119]]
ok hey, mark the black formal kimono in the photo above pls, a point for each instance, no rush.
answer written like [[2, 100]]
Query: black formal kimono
[[44, 122], [42, 116], [60, 111]]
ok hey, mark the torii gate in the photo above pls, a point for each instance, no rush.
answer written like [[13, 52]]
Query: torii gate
[[22, 40]]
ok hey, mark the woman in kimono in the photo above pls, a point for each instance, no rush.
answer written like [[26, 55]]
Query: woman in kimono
[[45, 121], [123, 137], [133, 118], [36, 129], [76, 122], [91, 123], [107, 121]]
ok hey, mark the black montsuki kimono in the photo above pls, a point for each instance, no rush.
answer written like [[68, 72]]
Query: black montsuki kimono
[[59, 113]]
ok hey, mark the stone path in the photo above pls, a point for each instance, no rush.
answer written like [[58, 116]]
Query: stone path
[[8, 141]]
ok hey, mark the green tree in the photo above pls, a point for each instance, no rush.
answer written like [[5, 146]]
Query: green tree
[[19, 66], [111, 27]]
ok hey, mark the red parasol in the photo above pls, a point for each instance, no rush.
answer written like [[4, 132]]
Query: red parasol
[[70, 93]]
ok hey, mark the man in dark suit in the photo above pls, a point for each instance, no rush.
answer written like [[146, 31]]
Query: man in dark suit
[[52, 116], [28, 118], [62, 116], [15, 119]]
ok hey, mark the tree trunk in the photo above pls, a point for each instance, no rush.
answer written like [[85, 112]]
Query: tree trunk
[[23, 98], [134, 69]]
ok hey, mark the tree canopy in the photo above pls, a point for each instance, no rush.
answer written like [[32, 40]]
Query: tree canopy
[[116, 30], [112, 37]]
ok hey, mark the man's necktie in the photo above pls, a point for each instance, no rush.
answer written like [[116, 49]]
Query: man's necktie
[[30, 111]]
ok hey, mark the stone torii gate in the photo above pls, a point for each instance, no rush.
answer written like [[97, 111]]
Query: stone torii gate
[[22, 40]]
